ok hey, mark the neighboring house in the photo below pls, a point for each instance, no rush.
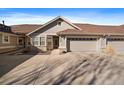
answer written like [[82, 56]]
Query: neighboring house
[[15, 36], [22, 31], [8, 40], [67, 36]]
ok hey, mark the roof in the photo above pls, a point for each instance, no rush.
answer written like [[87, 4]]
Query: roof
[[85, 29], [59, 17], [24, 28], [5, 29], [89, 29]]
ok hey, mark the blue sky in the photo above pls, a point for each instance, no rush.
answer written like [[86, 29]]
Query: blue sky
[[101, 16]]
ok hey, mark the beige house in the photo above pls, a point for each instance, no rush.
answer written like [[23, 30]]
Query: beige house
[[8, 40], [14, 37], [61, 33], [21, 31]]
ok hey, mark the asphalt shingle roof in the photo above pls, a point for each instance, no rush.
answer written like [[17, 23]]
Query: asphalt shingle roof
[[89, 29], [24, 28]]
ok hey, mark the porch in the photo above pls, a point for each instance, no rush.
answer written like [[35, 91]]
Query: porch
[[23, 41], [52, 42]]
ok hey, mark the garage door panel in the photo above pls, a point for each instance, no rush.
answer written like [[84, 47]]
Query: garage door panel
[[118, 46], [86, 46]]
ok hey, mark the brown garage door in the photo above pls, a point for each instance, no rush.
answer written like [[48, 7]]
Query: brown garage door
[[82, 44]]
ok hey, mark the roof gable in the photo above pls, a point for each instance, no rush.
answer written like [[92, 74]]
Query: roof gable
[[55, 19]]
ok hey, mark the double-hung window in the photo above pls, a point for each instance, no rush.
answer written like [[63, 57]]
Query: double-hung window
[[5, 38], [39, 41], [42, 41], [36, 40]]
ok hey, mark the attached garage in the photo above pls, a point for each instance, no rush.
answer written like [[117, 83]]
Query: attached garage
[[82, 44], [117, 44]]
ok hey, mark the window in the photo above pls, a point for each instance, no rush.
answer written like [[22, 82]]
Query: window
[[59, 23], [115, 39], [84, 39], [5, 39], [35, 41], [42, 40], [20, 42]]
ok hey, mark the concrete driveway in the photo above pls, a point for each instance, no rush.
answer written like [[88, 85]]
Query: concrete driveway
[[9, 61], [69, 68], [13, 67]]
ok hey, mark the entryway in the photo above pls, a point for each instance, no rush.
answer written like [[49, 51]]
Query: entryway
[[55, 42]]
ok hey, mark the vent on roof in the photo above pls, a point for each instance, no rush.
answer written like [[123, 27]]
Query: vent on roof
[[59, 23]]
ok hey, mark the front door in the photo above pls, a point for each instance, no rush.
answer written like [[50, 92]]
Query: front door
[[55, 42], [21, 42]]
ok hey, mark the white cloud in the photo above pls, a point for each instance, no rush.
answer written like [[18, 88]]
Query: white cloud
[[96, 18], [85, 17], [23, 18]]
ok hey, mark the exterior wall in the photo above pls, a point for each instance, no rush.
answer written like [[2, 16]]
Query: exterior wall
[[27, 41], [53, 28], [63, 43], [102, 43], [42, 48], [11, 45]]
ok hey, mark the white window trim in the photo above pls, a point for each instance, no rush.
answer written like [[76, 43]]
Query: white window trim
[[38, 40], [3, 36], [39, 37]]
